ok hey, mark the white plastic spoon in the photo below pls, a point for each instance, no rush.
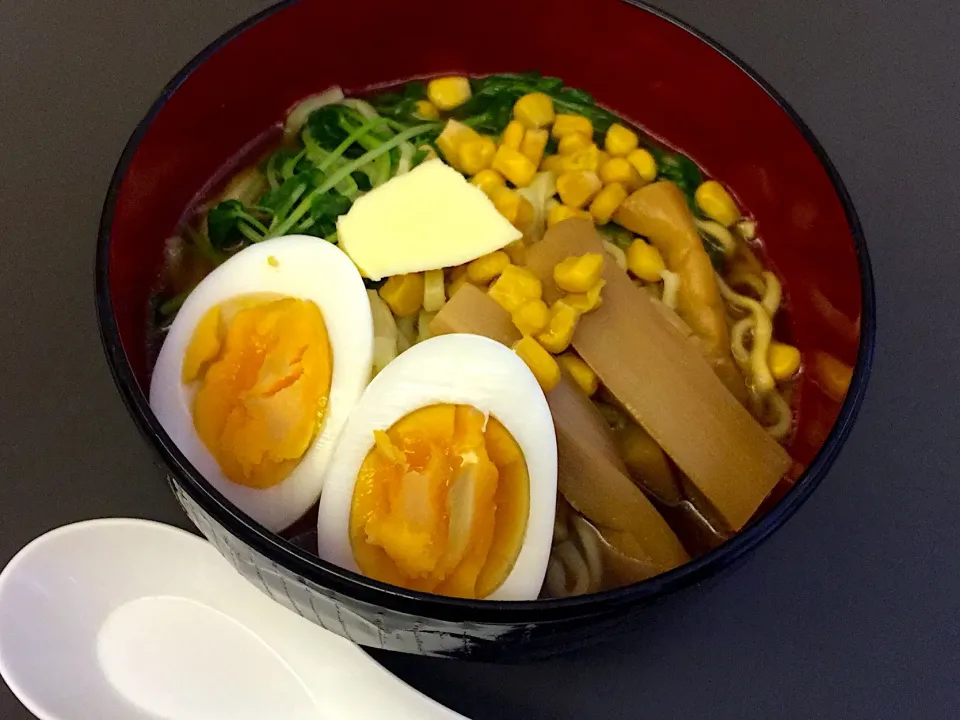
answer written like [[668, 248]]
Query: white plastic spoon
[[133, 620]]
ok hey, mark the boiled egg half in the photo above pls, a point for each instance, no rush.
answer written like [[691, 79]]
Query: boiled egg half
[[260, 370], [445, 476]]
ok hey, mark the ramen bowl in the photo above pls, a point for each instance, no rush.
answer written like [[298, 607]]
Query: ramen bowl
[[678, 85]]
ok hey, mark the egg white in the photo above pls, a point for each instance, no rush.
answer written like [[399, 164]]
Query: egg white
[[456, 369], [307, 268]]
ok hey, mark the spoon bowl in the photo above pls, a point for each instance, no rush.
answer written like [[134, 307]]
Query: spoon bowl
[[127, 618]]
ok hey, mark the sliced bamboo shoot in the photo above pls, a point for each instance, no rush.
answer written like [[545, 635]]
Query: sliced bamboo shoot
[[668, 489], [591, 475], [647, 463], [666, 385]]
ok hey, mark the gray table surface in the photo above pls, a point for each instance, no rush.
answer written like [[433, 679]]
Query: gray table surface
[[851, 611]]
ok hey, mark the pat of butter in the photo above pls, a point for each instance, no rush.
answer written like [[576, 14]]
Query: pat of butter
[[426, 219]]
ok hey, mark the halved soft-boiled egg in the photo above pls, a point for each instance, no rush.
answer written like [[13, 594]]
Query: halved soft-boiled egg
[[260, 370], [445, 476]]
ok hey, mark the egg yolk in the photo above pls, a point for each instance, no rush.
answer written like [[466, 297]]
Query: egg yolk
[[441, 503], [263, 372]]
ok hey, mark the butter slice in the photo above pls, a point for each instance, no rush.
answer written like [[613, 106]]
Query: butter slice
[[426, 219]]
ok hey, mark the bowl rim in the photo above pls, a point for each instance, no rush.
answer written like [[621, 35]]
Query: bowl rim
[[358, 587]]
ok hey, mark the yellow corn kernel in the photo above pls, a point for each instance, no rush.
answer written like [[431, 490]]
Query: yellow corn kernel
[[784, 360], [454, 134], [476, 154], [541, 363], [449, 92], [517, 252], [619, 170], [514, 207], [588, 301], [486, 267], [607, 202], [560, 328], [644, 164], [578, 187], [581, 373], [587, 159], [533, 145], [554, 164], [715, 202], [620, 141], [488, 180], [426, 110], [577, 274], [574, 142], [567, 124], [403, 293], [514, 166], [534, 110], [532, 317], [513, 135], [645, 261], [560, 212], [515, 287]]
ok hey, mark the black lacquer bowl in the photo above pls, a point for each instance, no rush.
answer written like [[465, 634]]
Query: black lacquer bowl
[[638, 61]]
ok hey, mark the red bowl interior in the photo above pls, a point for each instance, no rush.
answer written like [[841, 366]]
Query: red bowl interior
[[644, 66]]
